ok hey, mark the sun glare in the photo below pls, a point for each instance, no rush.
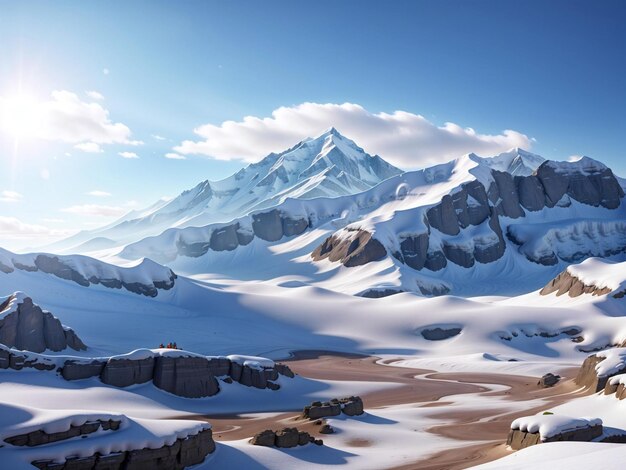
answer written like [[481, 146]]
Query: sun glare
[[20, 115]]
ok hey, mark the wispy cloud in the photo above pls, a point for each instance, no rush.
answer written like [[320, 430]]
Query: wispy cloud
[[95, 95], [403, 138], [97, 193], [10, 196], [12, 227], [96, 210], [158, 137], [128, 155], [175, 156], [89, 147]]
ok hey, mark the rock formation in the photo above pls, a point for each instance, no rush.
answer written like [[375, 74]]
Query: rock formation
[[548, 380], [350, 406], [574, 287], [285, 438], [25, 326], [185, 452], [518, 439]]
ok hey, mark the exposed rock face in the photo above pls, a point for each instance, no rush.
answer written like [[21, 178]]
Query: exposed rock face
[[38, 438], [285, 438], [520, 439], [125, 372], [548, 380], [25, 326], [350, 406], [574, 287], [587, 376], [358, 247], [185, 376], [472, 205], [185, 452], [190, 377], [439, 334], [379, 293]]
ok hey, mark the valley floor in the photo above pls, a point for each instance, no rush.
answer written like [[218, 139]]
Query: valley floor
[[441, 420]]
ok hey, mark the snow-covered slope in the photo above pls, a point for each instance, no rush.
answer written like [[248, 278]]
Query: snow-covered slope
[[141, 277], [419, 231], [328, 166]]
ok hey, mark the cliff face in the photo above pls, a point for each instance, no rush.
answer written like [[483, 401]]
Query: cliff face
[[25, 326], [466, 226]]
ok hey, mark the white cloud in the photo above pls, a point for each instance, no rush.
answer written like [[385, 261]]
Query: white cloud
[[12, 227], [128, 155], [95, 95], [63, 118], [403, 138], [96, 210], [574, 158], [158, 137], [97, 193], [10, 196], [89, 147], [175, 156]]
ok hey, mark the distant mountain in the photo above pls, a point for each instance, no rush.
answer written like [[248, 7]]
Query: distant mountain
[[330, 165]]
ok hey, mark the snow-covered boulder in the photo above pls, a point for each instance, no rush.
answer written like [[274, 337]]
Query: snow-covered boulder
[[532, 430], [24, 325]]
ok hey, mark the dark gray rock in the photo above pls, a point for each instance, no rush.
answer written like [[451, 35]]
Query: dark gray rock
[[266, 438], [555, 185], [508, 204], [548, 380], [443, 217], [520, 439], [73, 370], [125, 372], [293, 227], [435, 261], [414, 250], [268, 225], [287, 438], [531, 192], [30, 328], [478, 206], [225, 238], [458, 254], [189, 377], [439, 334]]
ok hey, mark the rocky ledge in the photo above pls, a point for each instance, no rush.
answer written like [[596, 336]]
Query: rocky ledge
[[520, 439], [566, 283], [185, 452], [24, 325]]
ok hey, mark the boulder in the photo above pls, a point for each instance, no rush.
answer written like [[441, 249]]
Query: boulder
[[268, 225], [326, 429], [287, 438], [225, 238], [439, 334], [548, 380], [265, 438], [352, 248]]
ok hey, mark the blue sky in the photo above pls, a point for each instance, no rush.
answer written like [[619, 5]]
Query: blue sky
[[552, 71]]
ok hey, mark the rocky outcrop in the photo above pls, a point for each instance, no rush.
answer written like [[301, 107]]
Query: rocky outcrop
[[126, 372], [588, 377], [518, 439], [379, 293], [285, 438], [355, 248], [566, 283], [439, 334], [350, 406], [25, 326], [40, 437], [187, 376], [548, 380], [185, 452]]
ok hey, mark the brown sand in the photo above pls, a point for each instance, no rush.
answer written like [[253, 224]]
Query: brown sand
[[490, 426]]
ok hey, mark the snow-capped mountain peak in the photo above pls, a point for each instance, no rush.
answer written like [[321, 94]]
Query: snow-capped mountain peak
[[328, 165]]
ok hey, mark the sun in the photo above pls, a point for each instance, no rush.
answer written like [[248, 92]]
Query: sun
[[20, 115]]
